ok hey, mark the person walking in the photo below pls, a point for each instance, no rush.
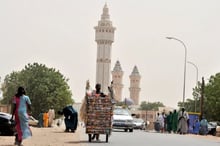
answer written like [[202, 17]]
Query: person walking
[[196, 126], [46, 119], [174, 121], [169, 122], [204, 126], [41, 119], [51, 116], [21, 109], [161, 122], [183, 118]]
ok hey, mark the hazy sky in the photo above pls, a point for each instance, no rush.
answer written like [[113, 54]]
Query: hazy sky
[[60, 34]]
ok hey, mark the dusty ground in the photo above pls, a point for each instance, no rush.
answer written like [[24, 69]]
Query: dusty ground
[[47, 137], [57, 137]]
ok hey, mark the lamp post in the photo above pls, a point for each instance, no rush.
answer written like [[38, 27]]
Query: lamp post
[[184, 80], [197, 72]]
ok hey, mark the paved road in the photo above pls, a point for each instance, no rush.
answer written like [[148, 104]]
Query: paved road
[[142, 138]]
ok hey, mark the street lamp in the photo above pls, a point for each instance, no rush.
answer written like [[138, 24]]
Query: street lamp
[[184, 80], [196, 77], [196, 71]]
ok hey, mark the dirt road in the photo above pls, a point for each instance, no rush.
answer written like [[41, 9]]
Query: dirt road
[[48, 137]]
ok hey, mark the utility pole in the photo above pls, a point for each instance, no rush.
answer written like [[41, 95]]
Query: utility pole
[[202, 98]]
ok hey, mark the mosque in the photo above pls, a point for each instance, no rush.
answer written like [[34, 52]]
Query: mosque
[[104, 37]]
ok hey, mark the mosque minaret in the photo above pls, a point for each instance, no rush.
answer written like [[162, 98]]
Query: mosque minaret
[[104, 37], [117, 75], [135, 85]]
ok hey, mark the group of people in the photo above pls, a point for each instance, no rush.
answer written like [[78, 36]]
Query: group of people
[[176, 122], [200, 127], [46, 119]]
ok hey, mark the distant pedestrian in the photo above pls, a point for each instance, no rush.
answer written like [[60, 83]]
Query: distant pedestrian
[[46, 119], [183, 118], [21, 110], [169, 122], [161, 121], [41, 120], [196, 126], [174, 121], [51, 116], [157, 123], [203, 126]]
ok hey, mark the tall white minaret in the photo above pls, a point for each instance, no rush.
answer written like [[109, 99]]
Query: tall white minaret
[[117, 75], [104, 36], [135, 85]]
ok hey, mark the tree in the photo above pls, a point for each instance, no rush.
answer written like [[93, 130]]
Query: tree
[[212, 98], [46, 87], [150, 105]]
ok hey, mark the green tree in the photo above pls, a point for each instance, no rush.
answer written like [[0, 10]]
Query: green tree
[[212, 98], [46, 87], [150, 105]]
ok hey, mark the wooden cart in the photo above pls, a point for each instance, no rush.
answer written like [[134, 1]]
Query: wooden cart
[[99, 116]]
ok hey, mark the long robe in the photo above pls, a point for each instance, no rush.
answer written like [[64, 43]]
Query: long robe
[[182, 125], [51, 115], [174, 121], [21, 117], [169, 122]]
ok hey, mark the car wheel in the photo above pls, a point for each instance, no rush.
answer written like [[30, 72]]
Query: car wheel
[[126, 130], [130, 130]]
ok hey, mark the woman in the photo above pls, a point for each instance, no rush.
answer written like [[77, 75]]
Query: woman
[[21, 105]]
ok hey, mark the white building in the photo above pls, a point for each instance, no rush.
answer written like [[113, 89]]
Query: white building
[[135, 85], [104, 36], [117, 75]]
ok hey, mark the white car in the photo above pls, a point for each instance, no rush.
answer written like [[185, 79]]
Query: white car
[[122, 119], [139, 124], [32, 121]]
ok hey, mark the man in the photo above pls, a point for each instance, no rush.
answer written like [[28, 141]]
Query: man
[[51, 114], [174, 121], [169, 122], [183, 118], [97, 93], [204, 126]]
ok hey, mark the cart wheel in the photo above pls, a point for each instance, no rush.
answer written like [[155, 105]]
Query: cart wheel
[[90, 137], [106, 138]]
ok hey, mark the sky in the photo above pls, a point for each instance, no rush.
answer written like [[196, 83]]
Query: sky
[[61, 35]]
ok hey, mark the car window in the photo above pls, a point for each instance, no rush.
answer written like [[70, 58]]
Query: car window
[[139, 120], [121, 112]]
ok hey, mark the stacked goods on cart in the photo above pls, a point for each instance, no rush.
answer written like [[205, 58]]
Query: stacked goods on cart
[[99, 115]]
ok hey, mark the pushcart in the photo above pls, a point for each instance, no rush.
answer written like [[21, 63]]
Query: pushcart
[[99, 116]]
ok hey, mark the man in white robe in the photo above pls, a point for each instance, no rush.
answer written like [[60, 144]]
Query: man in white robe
[[183, 118]]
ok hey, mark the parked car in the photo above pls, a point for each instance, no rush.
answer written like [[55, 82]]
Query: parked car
[[211, 129], [122, 119], [7, 127], [139, 124], [32, 121]]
